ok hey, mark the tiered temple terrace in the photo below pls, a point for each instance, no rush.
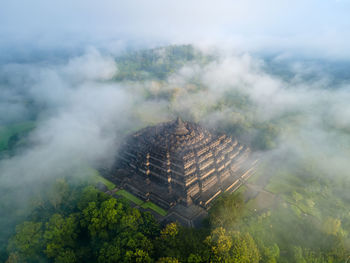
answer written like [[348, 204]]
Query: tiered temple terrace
[[182, 167]]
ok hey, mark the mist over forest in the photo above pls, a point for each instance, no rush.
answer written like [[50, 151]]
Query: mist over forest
[[76, 79], [61, 117]]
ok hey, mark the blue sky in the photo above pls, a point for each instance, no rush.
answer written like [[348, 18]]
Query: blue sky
[[310, 27]]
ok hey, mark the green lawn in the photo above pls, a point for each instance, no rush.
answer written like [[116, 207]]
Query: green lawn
[[129, 196], [139, 202], [284, 183], [241, 189], [154, 207], [6, 132], [95, 177]]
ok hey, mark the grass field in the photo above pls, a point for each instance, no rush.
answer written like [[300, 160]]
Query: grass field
[[95, 177], [139, 202], [284, 183], [129, 196], [6, 132], [154, 207], [241, 189]]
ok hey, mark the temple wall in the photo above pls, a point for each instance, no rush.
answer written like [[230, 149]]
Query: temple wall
[[206, 173], [193, 190], [208, 183], [206, 164]]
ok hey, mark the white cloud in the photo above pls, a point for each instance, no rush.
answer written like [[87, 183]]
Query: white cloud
[[309, 27]]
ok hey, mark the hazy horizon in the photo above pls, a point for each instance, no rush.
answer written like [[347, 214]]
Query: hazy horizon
[[314, 29], [77, 76]]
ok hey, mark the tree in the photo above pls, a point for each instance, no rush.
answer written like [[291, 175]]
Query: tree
[[166, 243], [168, 260], [60, 237], [331, 226], [170, 231], [244, 249], [227, 210], [66, 256], [102, 219], [27, 241], [194, 258], [58, 193], [149, 225], [90, 194], [14, 258], [308, 256], [232, 247], [219, 244], [126, 247], [270, 254], [110, 252], [130, 220], [138, 256], [298, 255]]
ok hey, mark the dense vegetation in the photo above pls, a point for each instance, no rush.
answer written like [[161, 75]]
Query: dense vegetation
[[82, 224], [77, 223], [295, 209]]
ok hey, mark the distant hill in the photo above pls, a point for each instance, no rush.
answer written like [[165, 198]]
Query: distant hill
[[157, 63]]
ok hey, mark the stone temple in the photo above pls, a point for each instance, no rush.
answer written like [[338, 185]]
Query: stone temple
[[182, 167]]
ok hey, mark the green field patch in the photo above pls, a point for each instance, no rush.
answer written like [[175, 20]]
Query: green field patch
[[279, 187], [251, 205], [6, 132], [305, 206], [296, 210], [95, 177], [241, 189], [306, 209], [284, 183], [129, 196], [255, 177], [263, 200], [154, 207]]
